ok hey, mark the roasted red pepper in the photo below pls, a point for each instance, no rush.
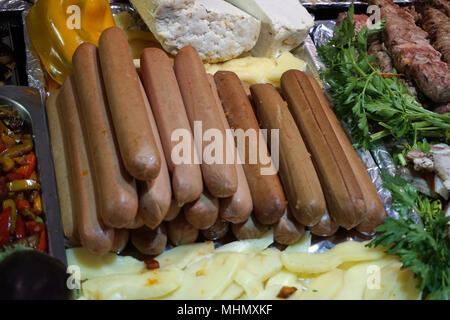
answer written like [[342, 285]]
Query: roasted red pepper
[[20, 228], [5, 225], [151, 264], [27, 169], [22, 204], [42, 245], [14, 176], [34, 227]]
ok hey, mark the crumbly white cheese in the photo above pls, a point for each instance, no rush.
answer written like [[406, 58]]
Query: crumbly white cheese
[[218, 30], [285, 24]]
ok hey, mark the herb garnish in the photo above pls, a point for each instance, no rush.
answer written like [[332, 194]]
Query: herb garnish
[[361, 92]]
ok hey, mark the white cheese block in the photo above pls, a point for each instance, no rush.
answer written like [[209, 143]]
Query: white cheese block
[[218, 30], [285, 24]]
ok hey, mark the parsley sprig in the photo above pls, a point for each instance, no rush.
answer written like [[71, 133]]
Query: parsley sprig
[[361, 92], [422, 248]]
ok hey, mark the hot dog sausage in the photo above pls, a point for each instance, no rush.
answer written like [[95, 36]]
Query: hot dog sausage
[[238, 207], [134, 132], [375, 211], [173, 212], [115, 190], [148, 241], [121, 237], [94, 236], [267, 194], [68, 216], [342, 191], [288, 230], [181, 232], [297, 172], [220, 179], [217, 231], [154, 196], [168, 109], [203, 212], [326, 227], [138, 221], [251, 229]]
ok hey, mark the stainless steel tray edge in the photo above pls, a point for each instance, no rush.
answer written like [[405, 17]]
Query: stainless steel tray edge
[[30, 100]]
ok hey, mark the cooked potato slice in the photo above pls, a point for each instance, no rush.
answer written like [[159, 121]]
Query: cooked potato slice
[[324, 287], [182, 256]]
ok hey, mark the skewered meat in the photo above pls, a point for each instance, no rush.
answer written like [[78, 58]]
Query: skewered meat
[[412, 53], [441, 5], [437, 25]]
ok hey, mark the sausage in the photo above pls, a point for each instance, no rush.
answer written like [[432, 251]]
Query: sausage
[[340, 184], [297, 172], [134, 132], [375, 212], [251, 229], [137, 223], [173, 212], [154, 196], [220, 178], [268, 198], [217, 231], [181, 232], [94, 236], [68, 216], [288, 230], [203, 212], [121, 237], [326, 227], [148, 241], [168, 109], [239, 206], [115, 189]]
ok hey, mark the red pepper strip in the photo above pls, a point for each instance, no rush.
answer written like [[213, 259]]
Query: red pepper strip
[[42, 245], [27, 169], [23, 204], [14, 176], [151, 264], [34, 227], [20, 228], [5, 225]]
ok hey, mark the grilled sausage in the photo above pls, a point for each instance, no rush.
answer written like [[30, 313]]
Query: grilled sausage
[[68, 216], [181, 232], [115, 190], [220, 179], [154, 196], [134, 132], [238, 207], [168, 109], [343, 194], [217, 231], [251, 229], [297, 172], [94, 236], [287, 230], [148, 241], [326, 227], [267, 194], [121, 237], [375, 212], [173, 212], [203, 212]]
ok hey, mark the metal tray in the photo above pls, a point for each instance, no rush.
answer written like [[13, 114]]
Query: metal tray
[[27, 101]]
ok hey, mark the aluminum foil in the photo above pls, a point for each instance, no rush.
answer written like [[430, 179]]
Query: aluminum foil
[[13, 5]]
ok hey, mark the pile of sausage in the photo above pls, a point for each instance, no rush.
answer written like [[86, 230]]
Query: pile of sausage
[[111, 128]]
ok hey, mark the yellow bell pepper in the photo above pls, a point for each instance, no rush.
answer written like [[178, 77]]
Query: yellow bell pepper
[[57, 28]]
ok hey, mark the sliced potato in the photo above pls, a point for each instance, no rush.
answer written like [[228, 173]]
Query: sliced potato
[[324, 287], [208, 278], [388, 279], [92, 266], [305, 262], [302, 245], [233, 292], [250, 283], [148, 285], [283, 278], [182, 256], [250, 245], [406, 287]]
